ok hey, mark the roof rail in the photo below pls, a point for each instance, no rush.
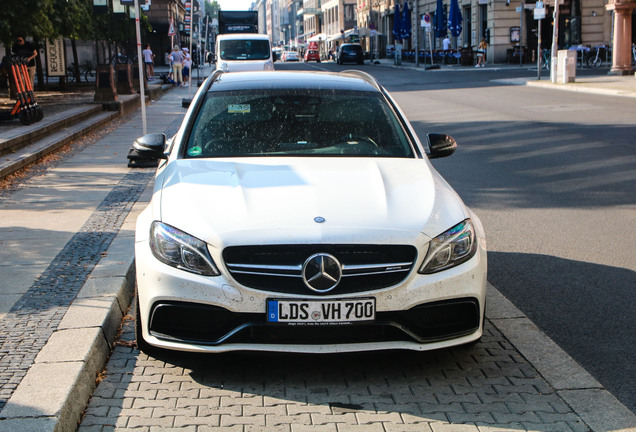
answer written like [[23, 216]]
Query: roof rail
[[215, 75], [365, 76]]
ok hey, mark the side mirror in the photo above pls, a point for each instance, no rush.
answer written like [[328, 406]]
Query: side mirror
[[152, 143], [147, 150], [185, 103], [440, 145]]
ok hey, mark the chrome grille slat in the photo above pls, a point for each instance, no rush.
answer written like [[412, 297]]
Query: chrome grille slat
[[267, 274], [279, 268], [374, 273]]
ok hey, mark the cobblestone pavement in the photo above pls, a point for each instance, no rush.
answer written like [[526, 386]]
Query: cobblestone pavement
[[32, 320], [485, 387]]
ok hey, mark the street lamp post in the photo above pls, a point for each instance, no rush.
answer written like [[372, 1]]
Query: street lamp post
[[555, 44], [372, 29]]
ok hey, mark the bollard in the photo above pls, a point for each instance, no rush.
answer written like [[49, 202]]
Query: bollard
[[105, 90]]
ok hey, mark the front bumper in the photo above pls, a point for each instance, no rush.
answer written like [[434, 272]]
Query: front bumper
[[184, 311]]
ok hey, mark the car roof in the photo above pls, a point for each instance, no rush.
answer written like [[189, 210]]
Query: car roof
[[292, 80], [242, 36]]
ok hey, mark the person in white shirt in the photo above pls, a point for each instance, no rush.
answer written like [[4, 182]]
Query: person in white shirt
[[149, 59], [446, 44]]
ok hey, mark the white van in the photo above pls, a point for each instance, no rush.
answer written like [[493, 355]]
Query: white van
[[244, 52]]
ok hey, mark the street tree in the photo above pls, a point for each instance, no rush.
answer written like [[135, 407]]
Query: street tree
[[72, 19]]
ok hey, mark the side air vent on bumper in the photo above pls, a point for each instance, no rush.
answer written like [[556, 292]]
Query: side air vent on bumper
[[210, 325]]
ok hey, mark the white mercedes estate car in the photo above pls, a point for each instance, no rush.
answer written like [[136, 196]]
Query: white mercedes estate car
[[299, 212]]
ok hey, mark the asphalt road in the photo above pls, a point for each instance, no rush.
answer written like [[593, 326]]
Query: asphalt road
[[552, 175]]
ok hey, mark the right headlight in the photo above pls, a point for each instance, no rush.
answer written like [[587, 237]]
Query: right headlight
[[181, 250], [450, 248]]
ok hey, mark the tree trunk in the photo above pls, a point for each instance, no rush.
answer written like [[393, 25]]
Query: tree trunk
[[76, 67], [38, 67]]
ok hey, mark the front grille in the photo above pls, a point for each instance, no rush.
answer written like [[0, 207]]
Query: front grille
[[211, 325], [278, 268]]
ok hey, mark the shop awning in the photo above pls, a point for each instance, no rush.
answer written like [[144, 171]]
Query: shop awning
[[317, 38]]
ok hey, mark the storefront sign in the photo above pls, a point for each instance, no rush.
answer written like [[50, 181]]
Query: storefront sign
[[55, 60]]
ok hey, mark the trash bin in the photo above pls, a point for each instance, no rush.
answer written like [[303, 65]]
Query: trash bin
[[467, 56], [566, 69]]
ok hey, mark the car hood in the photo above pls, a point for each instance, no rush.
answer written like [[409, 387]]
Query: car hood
[[300, 200]]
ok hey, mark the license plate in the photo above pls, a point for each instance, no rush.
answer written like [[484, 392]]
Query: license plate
[[320, 311]]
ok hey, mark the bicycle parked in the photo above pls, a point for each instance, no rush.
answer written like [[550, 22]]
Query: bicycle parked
[[86, 70], [595, 60]]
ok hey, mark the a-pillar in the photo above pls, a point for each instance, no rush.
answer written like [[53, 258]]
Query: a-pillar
[[622, 49]]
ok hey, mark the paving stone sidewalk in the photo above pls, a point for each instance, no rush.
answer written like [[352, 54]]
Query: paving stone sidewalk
[[488, 387]]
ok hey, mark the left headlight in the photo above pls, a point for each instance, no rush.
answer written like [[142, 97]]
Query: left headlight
[[181, 250], [450, 248]]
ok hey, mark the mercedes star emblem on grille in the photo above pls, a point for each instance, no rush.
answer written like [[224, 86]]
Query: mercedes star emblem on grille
[[321, 272]]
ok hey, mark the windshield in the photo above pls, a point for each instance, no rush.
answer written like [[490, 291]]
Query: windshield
[[351, 49], [296, 123], [244, 49]]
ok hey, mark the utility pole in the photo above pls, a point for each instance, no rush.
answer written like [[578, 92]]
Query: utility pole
[[370, 25], [523, 12], [555, 44], [140, 65], [417, 37]]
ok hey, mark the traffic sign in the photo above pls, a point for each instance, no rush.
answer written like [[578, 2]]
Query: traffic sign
[[426, 21]]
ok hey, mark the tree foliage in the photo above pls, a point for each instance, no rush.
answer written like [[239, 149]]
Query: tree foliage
[[26, 17], [40, 19], [212, 8], [71, 19]]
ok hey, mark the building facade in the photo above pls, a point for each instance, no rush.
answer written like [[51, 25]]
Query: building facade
[[504, 24], [164, 13]]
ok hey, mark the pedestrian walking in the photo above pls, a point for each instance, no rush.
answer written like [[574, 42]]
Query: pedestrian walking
[[187, 62], [149, 59], [481, 53], [176, 57]]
